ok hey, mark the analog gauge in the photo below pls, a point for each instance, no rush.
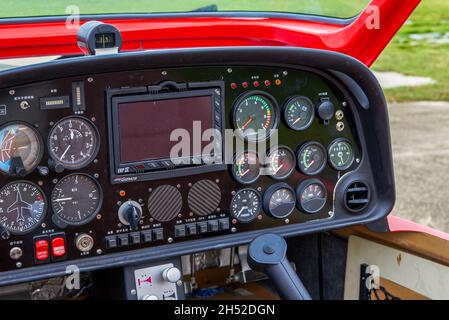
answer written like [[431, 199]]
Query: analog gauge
[[21, 149], [341, 155], [73, 142], [255, 115], [246, 168], [311, 158], [311, 195], [76, 199], [299, 113], [281, 162], [22, 207], [246, 205], [279, 200]]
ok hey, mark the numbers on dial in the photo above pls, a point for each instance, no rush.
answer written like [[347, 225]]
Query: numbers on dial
[[246, 167], [341, 154], [281, 162], [21, 148], [279, 200], [311, 158], [311, 195], [22, 207], [76, 199], [246, 205], [299, 113], [73, 142], [255, 116]]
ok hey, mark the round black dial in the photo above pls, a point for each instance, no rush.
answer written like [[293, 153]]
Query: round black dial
[[281, 162], [299, 113], [246, 168], [311, 195], [311, 158], [76, 199], [255, 115], [21, 149], [341, 154], [279, 200], [73, 142], [246, 205], [22, 207]]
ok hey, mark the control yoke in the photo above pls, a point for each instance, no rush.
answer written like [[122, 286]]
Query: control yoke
[[267, 254]]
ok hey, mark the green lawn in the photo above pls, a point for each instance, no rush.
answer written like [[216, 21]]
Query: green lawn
[[337, 8], [421, 57]]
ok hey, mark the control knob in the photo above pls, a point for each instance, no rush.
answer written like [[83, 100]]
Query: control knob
[[172, 274], [130, 214]]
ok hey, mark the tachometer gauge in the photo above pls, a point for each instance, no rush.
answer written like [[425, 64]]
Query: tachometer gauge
[[311, 158], [311, 195], [281, 162], [246, 168], [76, 199], [21, 149], [22, 207], [341, 155], [73, 142], [279, 200], [246, 205], [299, 113], [255, 115]]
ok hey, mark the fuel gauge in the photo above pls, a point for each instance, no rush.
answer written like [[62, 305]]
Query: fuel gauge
[[246, 167]]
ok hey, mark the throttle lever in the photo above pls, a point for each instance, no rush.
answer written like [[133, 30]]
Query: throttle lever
[[267, 254]]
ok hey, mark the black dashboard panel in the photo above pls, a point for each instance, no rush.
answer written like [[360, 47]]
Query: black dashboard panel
[[153, 209]]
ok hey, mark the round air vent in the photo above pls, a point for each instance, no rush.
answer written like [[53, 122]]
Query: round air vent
[[204, 197], [165, 203], [357, 196]]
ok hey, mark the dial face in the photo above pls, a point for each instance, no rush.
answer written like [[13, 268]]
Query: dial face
[[73, 142], [341, 155], [76, 199], [299, 113], [312, 196], [279, 201], [281, 162], [312, 158], [246, 205], [19, 144], [22, 207], [255, 116], [246, 168]]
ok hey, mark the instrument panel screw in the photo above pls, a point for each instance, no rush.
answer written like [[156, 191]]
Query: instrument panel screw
[[133, 292], [287, 221], [164, 73], [218, 209], [19, 264], [284, 73], [43, 225], [90, 79], [229, 70], [259, 189], [51, 123], [357, 160], [96, 175], [233, 192], [55, 181], [233, 229], [170, 240], [217, 180], [190, 184], [140, 200], [93, 119], [150, 189], [179, 283], [179, 215], [331, 214], [98, 216], [191, 214], [96, 161], [344, 103], [151, 219], [178, 186], [119, 203], [12, 92], [99, 251]]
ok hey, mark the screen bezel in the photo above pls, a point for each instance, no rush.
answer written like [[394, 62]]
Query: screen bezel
[[120, 172]]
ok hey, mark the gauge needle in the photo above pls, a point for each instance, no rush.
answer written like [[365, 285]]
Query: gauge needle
[[247, 122], [311, 163], [297, 120], [62, 199], [279, 168], [240, 212], [63, 155], [244, 173]]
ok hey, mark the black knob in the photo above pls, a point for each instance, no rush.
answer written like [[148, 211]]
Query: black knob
[[55, 166], [130, 214], [325, 110]]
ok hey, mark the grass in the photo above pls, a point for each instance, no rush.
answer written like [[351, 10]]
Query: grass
[[420, 57], [337, 8]]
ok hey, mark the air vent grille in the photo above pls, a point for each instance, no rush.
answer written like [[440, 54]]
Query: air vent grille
[[357, 196]]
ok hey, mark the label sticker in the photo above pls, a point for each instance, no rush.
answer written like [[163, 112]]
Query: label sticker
[[2, 110]]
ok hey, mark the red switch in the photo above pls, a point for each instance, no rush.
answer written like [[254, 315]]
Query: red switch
[[41, 252], [58, 247]]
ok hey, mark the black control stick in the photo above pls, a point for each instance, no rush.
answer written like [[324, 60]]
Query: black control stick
[[267, 254]]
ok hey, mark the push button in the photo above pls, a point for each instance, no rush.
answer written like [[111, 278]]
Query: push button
[[180, 231], [58, 248], [41, 249], [111, 242], [123, 240], [191, 229], [223, 224], [212, 225], [202, 227], [146, 235], [159, 234], [135, 238]]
